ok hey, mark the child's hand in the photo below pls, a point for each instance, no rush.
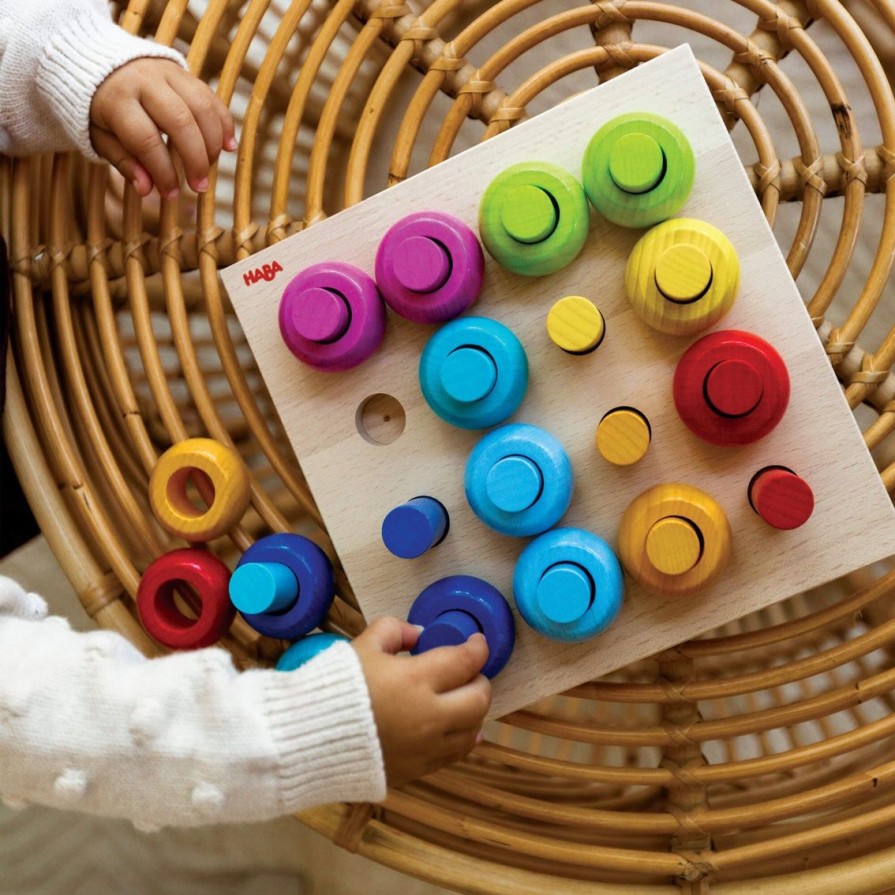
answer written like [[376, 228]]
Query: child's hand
[[429, 708], [148, 98]]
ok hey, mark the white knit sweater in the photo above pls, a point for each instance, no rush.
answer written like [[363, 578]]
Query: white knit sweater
[[86, 722], [53, 56]]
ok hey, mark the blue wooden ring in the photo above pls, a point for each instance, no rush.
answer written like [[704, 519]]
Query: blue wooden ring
[[583, 550], [550, 457], [510, 363], [316, 587], [307, 648], [479, 599]]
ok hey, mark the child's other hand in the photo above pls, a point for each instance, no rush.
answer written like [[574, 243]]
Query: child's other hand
[[145, 99], [429, 708]]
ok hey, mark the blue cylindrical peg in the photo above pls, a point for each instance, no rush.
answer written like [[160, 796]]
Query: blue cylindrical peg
[[414, 527]]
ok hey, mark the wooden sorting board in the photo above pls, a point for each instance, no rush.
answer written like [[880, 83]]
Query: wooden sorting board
[[356, 482]]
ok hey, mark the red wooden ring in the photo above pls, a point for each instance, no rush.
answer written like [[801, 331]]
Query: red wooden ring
[[208, 577], [692, 394]]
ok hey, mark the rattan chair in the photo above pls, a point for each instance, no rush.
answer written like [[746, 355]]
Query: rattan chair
[[758, 759]]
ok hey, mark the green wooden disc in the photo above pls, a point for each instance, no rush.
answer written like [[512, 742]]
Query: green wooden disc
[[636, 163], [638, 169], [528, 214], [534, 218]]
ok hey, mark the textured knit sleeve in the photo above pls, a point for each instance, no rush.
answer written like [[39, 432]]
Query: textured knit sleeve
[[54, 54], [87, 723]]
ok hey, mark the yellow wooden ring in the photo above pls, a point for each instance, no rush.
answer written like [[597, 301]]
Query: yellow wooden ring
[[220, 468], [682, 276], [674, 501]]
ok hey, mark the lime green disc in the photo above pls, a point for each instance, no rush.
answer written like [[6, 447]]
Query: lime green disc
[[636, 163], [528, 214]]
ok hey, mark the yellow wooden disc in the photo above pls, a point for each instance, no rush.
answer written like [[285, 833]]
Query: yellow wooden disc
[[673, 545], [623, 436], [647, 519], [683, 272], [575, 324], [682, 276]]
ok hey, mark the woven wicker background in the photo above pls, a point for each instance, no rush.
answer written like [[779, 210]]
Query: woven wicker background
[[760, 759]]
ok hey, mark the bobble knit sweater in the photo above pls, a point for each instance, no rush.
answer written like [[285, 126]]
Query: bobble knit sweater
[[86, 722]]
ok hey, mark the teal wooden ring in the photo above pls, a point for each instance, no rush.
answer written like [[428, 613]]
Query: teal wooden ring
[[657, 204], [510, 367], [585, 551], [302, 651], [561, 246]]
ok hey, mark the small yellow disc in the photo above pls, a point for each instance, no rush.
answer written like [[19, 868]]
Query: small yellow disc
[[673, 545], [623, 436], [683, 272], [575, 324]]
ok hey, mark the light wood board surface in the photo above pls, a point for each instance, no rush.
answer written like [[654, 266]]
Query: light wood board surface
[[356, 483]]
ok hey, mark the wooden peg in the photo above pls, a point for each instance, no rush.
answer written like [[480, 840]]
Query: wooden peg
[[575, 324], [331, 316], [783, 499], [623, 436], [568, 585], [674, 540], [519, 480], [473, 372], [283, 586]]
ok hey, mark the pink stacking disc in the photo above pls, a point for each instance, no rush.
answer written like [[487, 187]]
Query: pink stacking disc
[[332, 316], [421, 264], [320, 315], [429, 267]]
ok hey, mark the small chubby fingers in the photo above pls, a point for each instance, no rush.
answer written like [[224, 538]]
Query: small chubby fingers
[[212, 116], [391, 635], [140, 137], [109, 147], [465, 707], [172, 116], [461, 742]]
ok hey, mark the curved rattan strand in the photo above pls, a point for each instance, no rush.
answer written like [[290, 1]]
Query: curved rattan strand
[[759, 759]]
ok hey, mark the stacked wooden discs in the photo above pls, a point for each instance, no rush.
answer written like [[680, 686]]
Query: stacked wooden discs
[[758, 759]]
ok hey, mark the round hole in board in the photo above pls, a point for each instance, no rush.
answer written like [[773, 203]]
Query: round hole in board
[[380, 419]]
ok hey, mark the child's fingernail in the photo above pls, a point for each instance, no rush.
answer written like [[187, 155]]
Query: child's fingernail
[[231, 144], [419, 628], [172, 194], [480, 737], [201, 185]]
